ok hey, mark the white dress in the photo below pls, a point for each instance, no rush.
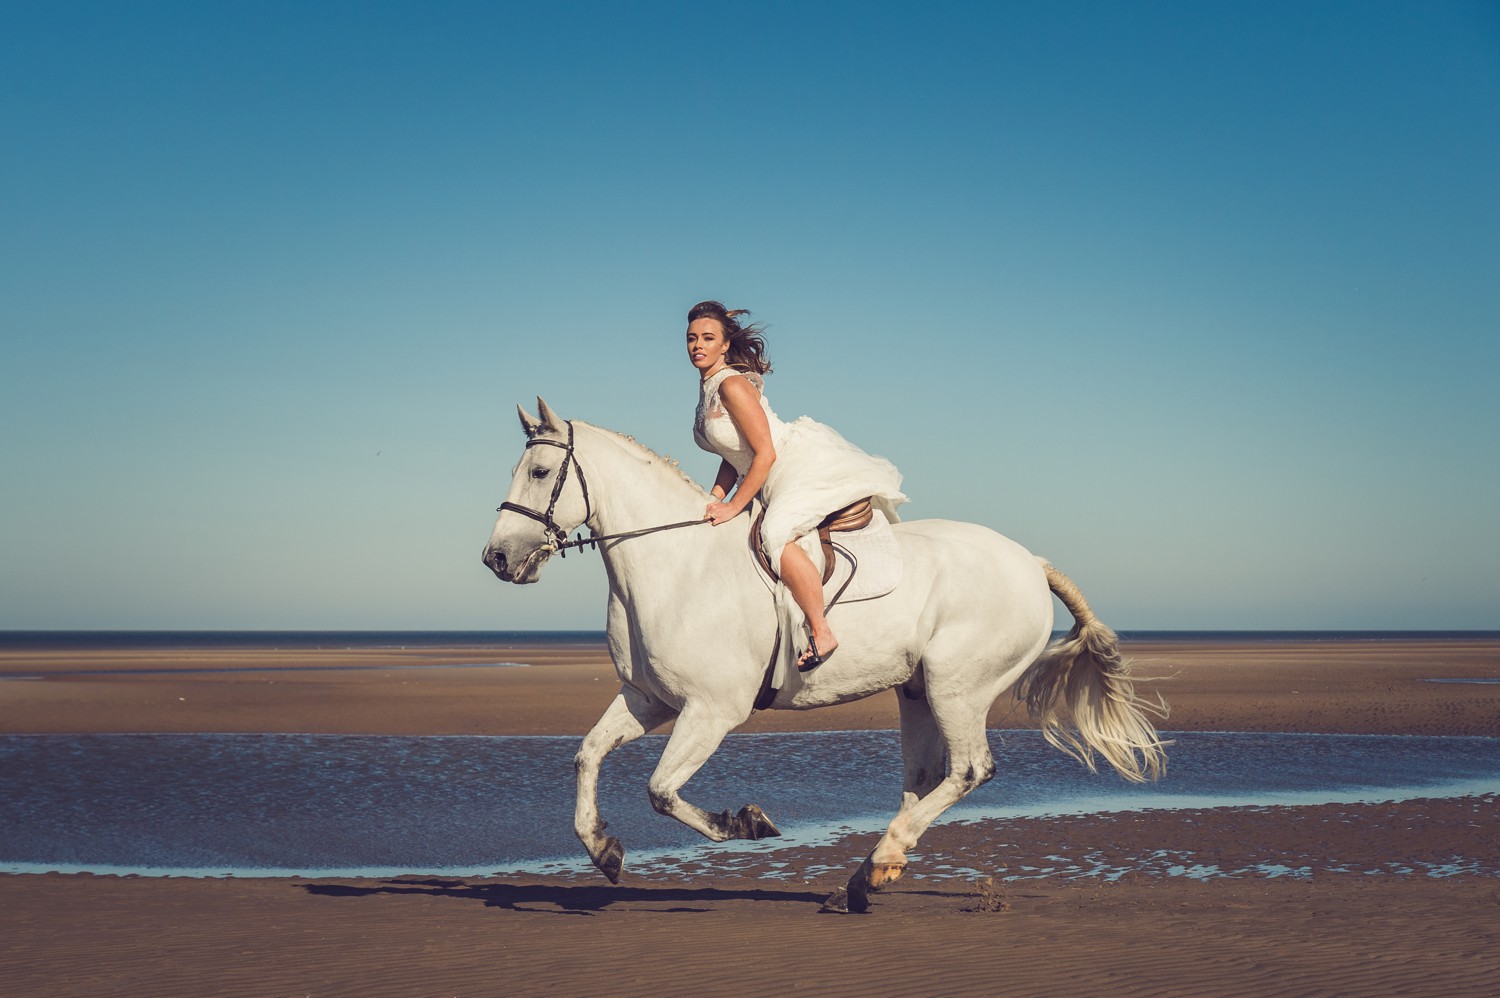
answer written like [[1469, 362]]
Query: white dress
[[816, 470]]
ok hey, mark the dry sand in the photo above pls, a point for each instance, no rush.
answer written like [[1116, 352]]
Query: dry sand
[[1345, 933], [1357, 687]]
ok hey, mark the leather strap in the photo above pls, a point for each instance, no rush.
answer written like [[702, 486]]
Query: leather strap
[[854, 516], [767, 694]]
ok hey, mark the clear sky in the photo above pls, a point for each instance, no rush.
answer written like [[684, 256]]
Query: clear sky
[[1200, 301]]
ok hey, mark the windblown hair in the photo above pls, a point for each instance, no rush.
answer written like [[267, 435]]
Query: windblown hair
[[747, 342]]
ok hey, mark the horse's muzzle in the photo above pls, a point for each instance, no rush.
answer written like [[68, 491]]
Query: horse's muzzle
[[494, 560], [522, 574]]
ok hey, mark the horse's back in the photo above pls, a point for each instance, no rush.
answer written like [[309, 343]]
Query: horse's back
[[972, 579], [963, 542]]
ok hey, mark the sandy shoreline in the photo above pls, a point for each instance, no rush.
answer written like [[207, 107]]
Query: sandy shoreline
[[1346, 687], [1336, 930]]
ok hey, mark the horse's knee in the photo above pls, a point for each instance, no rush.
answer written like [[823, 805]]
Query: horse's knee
[[662, 801], [587, 759], [594, 749]]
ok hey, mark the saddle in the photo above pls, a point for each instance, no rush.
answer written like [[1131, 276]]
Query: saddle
[[855, 516]]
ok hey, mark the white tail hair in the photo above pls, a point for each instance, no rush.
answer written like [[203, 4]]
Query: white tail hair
[[1085, 675]]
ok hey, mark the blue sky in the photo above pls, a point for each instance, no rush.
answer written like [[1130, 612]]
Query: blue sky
[[1200, 301]]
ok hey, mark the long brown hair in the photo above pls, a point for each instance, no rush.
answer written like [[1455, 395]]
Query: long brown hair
[[747, 342]]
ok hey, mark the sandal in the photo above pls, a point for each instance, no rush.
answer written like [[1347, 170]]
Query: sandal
[[813, 660]]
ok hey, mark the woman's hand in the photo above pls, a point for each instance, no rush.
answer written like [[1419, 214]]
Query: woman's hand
[[720, 512]]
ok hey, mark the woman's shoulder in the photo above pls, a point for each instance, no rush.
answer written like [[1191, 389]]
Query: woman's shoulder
[[741, 376]]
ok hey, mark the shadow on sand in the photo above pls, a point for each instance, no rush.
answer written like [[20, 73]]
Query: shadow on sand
[[556, 899]]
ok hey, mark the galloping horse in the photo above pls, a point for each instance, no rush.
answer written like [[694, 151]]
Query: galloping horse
[[691, 628]]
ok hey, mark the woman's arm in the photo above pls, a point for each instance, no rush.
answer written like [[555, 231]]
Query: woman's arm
[[724, 481], [742, 402]]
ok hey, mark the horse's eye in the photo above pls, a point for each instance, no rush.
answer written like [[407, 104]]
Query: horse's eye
[[538, 472]]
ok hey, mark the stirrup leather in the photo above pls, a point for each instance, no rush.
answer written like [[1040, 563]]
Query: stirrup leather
[[855, 516]]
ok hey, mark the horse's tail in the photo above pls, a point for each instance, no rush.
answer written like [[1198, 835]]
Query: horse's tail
[[1085, 674]]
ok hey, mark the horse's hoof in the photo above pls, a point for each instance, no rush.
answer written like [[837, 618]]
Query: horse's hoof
[[858, 887], [854, 897], [754, 824], [838, 902], [884, 874], [612, 860]]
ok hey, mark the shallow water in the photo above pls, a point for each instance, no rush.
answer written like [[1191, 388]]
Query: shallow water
[[359, 805]]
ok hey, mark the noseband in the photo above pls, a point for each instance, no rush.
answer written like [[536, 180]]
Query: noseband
[[557, 537]]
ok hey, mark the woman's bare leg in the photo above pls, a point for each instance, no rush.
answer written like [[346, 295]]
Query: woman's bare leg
[[805, 584]]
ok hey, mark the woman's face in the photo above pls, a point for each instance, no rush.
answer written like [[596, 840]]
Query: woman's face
[[706, 344]]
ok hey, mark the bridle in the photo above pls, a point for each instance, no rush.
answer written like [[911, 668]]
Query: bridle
[[557, 537]]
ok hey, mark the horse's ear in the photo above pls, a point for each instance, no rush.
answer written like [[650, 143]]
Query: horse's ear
[[550, 422], [530, 425]]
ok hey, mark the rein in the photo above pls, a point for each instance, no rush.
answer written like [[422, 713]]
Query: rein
[[557, 537]]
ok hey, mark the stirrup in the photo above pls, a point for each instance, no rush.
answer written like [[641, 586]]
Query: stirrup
[[815, 659]]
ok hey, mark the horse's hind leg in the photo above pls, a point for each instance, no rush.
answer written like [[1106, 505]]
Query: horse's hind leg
[[970, 765], [924, 754], [696, 736], [630, 715]]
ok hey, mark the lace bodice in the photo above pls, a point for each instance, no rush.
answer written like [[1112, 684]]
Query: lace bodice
[[816, 470], [714, 430]]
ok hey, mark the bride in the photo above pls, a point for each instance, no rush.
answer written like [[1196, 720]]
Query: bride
[[802, 470]]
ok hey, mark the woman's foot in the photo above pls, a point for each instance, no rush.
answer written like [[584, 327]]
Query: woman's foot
[[817, 653]]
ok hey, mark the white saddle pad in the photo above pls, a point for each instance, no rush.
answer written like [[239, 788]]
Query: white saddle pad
[[876, 561]]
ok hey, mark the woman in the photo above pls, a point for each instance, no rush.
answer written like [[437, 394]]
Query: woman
[[802, 470]]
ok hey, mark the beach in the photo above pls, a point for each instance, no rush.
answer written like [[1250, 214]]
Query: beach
[[1335, 928]]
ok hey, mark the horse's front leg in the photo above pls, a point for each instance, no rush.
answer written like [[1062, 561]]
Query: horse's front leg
[[630, 715], [696, 736]]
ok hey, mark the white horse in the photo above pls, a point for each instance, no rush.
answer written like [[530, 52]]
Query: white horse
[[691, 630]]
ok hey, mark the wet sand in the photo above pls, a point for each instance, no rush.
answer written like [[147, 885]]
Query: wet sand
[[1338, 929]]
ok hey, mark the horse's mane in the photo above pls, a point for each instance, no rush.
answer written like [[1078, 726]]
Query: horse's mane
[[630, 443]]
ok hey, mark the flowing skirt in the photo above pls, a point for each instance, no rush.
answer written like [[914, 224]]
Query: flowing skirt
[[817, 472]]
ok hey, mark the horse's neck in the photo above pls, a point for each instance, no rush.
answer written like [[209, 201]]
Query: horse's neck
[[631, 487], [656, 574]]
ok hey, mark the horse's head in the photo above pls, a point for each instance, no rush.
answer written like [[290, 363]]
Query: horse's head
[[548, 498]]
